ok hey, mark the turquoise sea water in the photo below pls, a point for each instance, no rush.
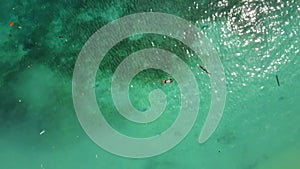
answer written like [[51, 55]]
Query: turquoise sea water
[[255, 41]]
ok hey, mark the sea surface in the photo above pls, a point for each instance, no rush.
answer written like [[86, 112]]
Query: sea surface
[[257, 42]]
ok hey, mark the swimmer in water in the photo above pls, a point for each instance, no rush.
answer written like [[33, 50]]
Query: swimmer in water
[[204, 69], [167, 81]]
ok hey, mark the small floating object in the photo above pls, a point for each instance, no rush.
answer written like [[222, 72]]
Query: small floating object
[[11, 24], [42, 132], [204, 69], [277, 79], [167, 81]]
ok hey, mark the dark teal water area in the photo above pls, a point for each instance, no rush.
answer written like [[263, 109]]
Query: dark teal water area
[[255, 41]]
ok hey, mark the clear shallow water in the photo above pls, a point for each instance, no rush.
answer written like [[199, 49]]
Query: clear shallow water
[[255, 41]]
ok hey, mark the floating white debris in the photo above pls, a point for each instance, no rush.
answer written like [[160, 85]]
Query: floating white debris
[[152, 43], [19, 100], [42, 132]]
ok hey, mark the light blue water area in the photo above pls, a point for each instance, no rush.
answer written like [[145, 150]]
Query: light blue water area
[[255, 41]]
